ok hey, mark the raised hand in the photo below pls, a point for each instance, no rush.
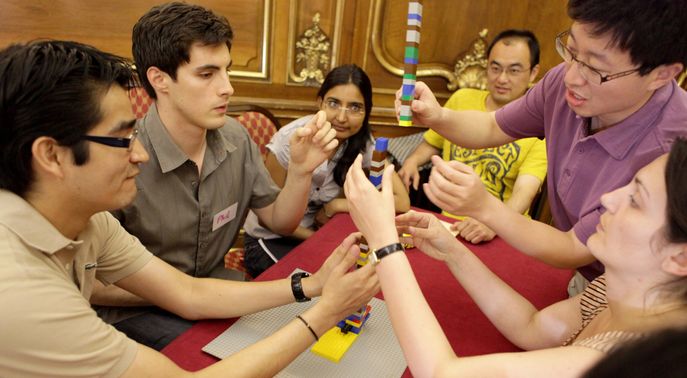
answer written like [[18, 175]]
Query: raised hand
[[426, 109], [345, 291], [372, 211], [456, 188], [312, 144]]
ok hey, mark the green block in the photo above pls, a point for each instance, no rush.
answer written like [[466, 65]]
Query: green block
[[411, 52]]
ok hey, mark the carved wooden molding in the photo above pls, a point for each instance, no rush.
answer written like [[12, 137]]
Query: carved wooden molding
[[314, 56], [471, 67]]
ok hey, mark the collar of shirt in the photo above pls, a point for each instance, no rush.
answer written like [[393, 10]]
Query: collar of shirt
[[168, 153], [26, 222]]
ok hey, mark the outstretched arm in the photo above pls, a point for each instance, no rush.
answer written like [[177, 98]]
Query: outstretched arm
[[455, 187], [343, 293], [310, 146], [474, 231], [427, 350], [467, 128]]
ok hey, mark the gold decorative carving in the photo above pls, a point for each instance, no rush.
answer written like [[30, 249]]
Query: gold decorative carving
[[471, 67], [300, 61], [312, 54]]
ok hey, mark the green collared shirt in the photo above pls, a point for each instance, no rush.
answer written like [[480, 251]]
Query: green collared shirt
[[191, 221]]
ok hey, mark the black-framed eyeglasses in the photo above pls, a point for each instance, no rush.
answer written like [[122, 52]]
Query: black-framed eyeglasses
[[127, 143], [587, 72]]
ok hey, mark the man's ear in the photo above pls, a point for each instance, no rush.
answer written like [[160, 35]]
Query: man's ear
[[664, 74], [676, 262], [49, 157], [534, 72], [158, 79]]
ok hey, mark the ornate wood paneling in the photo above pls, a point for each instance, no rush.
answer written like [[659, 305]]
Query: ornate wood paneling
[[107, 25], [266, 70]]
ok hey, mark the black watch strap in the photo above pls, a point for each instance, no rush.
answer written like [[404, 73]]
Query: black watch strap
[[297, 286], [381, 253]]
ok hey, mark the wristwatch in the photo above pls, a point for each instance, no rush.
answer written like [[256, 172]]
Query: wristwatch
[[378, 254], [297, 286]]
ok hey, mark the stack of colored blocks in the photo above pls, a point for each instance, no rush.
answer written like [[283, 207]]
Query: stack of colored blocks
[[378, 162], [410, 61], [335, 342]]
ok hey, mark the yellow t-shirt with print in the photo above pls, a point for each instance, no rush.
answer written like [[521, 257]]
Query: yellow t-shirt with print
[[498, 167]]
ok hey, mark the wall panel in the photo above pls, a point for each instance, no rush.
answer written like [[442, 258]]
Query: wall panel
[[370, 33]]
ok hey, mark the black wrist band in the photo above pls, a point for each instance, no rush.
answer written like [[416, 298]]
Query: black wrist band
[[381, 253], [309, 327], [297, 286]]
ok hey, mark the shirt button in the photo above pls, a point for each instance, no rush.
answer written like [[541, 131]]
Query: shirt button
[[580, 149], [318, 188], [567, 172]]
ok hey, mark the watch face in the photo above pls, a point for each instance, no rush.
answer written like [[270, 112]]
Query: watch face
[[373, 257]]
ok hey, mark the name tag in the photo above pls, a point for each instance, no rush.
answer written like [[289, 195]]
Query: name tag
[[225, 216]]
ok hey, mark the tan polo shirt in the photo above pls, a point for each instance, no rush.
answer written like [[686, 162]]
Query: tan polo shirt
[[47, 326], [191, 220]]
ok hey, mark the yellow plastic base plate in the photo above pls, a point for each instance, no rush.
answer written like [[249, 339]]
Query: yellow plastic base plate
[[334, 344]]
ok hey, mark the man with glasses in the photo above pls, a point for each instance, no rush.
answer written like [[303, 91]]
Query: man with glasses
[[69, 154], [205, 172], [610, 108], [513, 172]]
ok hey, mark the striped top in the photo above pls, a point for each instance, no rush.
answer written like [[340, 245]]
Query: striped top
[[594, 301]]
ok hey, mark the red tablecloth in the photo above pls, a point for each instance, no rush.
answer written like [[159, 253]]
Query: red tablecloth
[[468, 330]]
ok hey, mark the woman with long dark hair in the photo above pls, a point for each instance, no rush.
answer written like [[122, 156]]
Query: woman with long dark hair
[[346, 97]]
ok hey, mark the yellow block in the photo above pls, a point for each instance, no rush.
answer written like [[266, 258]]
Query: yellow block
[[334, 344], [405, 123]]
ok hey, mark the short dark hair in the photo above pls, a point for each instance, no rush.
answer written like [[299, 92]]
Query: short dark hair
[[654, 32], [523, 34], [163, 37], [51, 88], [660, 355], [342, 75]]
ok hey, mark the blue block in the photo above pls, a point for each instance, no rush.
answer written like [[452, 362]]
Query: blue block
[[381, 144], [410, 60]]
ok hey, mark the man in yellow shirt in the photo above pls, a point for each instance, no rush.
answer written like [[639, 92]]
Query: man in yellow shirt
[[513, 172]]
